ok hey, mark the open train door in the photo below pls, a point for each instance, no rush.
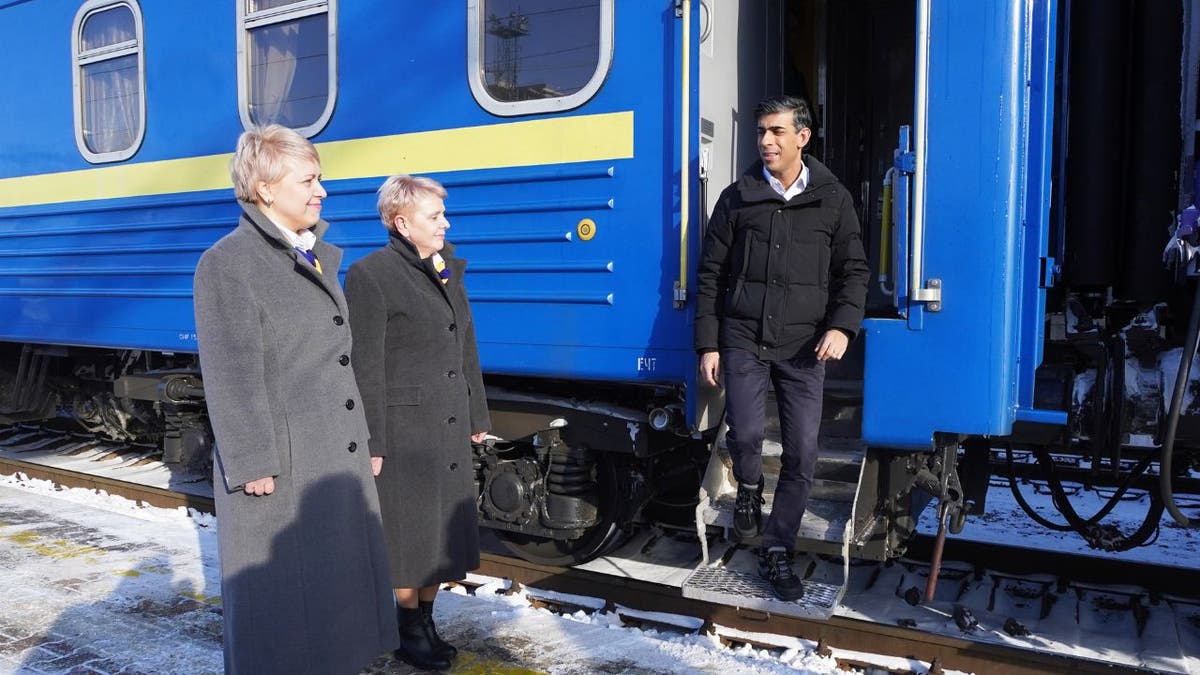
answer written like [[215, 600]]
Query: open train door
[[853, 61], [969, 263]]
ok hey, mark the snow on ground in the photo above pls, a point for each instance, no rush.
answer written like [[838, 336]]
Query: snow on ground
[[1006, 523], [91, 583], [579, 643], [98, 584]]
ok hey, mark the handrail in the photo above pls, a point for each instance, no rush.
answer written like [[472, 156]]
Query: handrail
[[685, 114], [917, 288]]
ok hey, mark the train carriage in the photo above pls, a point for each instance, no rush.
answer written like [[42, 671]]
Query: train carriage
[[1018, 291]]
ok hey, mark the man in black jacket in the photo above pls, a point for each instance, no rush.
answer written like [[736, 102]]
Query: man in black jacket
[[781, 288]]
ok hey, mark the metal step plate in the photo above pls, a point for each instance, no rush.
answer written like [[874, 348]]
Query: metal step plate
[[735, 581]]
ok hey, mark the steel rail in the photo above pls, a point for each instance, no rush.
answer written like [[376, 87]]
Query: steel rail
[[948, 652], [142, 494], [837, 632]]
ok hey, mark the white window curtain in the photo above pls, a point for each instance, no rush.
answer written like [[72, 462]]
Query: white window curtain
[[272, 71], [112, 106], [289, 71], [111, 84], [286, 63]]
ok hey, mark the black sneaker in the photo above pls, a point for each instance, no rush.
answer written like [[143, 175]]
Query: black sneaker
[[747, 511], [776, 567]]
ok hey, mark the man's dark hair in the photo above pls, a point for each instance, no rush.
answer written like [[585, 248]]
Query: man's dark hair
[[801, 115]]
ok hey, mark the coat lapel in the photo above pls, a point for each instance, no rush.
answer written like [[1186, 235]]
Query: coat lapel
[[425, 265], [330, 256]]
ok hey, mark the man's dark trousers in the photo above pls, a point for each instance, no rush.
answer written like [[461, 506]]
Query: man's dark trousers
[[799, 385]]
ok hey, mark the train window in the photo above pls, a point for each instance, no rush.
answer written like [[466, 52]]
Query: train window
[[108, 79], [287, 63], [537, 56]]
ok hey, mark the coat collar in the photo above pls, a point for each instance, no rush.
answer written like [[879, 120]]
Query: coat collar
[[329, 255], [260, 220], [409, 254], [753, 187]]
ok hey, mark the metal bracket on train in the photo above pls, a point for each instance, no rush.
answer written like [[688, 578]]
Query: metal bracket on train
[[680, 295], [169, 387], [932, 294]]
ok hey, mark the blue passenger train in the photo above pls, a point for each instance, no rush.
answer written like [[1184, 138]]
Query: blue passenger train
[[1018, 166]]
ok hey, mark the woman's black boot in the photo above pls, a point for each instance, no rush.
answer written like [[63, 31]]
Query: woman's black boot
[[416, 642], [442, 647]]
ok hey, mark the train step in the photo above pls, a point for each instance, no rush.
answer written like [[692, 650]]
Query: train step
[[730, 576], [733, 580]]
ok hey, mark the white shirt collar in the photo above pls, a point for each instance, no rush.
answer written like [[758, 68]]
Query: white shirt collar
[[304, 239], [793, 189]]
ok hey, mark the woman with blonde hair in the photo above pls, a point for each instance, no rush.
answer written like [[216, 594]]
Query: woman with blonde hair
[[418, 370], [304, 580]]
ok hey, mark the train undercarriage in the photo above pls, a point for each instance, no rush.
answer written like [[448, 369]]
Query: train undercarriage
[[564, 479]]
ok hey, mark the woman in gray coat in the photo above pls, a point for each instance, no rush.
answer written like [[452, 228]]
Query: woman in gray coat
[[418, 370], [304, 580]]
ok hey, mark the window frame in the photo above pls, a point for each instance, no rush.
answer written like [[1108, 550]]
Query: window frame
[[476, 49], [80, 58], [247, 21]]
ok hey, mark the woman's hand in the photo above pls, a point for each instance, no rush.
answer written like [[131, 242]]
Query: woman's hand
[[376, 465], [260, 487], [478, 437]]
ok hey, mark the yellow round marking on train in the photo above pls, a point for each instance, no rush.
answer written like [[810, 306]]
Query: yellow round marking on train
[[586, 229]]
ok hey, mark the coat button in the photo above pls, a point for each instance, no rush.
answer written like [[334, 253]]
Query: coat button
[[453, 466], [352, 447], [338, 320], [452, 420], [344, 360], [453, 327], [349, 404], [451, 374]]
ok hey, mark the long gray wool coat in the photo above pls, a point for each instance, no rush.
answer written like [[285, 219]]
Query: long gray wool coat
[[418, 370], [304, 579]]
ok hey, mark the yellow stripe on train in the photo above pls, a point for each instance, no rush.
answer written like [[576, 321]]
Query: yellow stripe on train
[[558, 140]]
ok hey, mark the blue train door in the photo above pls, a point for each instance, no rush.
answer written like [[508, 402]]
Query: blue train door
[[968, 260]]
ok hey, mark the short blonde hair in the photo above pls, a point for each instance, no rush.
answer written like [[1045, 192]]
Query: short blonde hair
[[400, 192], [264, 153]]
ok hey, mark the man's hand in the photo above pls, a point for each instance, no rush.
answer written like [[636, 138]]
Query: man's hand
[[260, 487], [710, 368], [478, 437], [376, 465], [832, 345]]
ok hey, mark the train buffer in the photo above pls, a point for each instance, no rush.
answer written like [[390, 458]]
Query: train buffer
[[728, 573]]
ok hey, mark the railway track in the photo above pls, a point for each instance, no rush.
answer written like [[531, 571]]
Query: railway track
[[852, 641]]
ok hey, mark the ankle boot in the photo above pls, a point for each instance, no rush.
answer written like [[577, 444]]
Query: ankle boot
[[442, 647], [416, 643], [747, 511]]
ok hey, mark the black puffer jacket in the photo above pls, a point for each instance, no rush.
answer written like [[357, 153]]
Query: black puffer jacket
[[774, 274]]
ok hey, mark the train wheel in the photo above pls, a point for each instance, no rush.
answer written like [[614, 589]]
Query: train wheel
[[594, 542]]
